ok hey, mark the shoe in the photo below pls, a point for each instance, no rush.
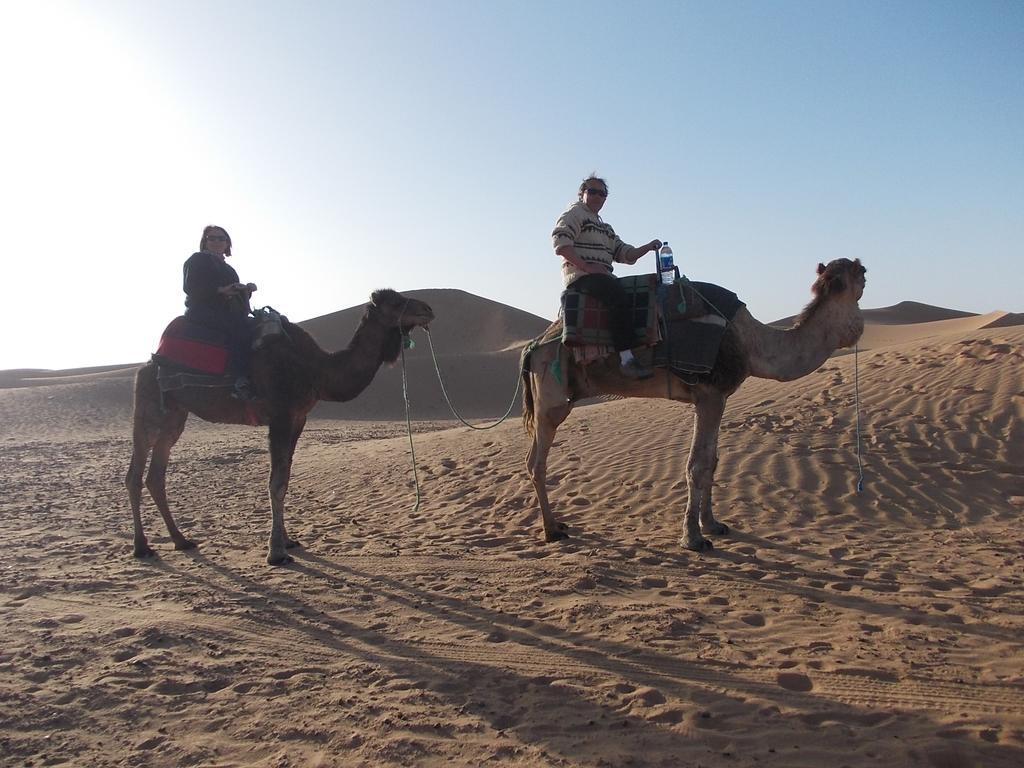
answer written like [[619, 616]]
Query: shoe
[[634, 370], [242, 391]]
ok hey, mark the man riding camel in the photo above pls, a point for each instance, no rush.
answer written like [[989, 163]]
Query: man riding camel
[[588, 247]]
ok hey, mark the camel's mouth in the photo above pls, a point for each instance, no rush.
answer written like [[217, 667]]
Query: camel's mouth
[[423, 323], [424, 319]]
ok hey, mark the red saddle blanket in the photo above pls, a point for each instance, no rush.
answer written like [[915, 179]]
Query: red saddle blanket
[[193, 347]]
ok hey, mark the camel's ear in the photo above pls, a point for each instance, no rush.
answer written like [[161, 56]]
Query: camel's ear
[[821, 268]]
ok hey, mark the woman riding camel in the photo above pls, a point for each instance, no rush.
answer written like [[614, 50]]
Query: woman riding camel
[[588, 247], [215, 298]]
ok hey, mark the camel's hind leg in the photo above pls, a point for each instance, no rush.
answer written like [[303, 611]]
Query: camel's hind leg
[[170, 431], [154, 429], [133, 482], [551, 407]]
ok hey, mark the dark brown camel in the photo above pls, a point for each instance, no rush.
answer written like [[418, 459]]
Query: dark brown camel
[[554, 381], [289, 377]]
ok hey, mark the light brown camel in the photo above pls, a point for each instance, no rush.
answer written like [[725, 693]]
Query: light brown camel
[[289, 377], [554, 382]]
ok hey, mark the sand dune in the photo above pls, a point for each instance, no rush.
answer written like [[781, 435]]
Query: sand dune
[[830, 627], [876, 335], [467, 324]]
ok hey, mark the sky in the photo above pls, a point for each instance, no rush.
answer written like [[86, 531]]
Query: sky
[[348, 146]]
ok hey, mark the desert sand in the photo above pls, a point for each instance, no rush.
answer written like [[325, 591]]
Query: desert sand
[[829, 628]]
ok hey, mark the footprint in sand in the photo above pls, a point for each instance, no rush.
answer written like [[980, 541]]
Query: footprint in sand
[[794, 681]]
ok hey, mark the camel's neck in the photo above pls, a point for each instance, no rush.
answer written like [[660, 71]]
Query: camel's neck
[[785, 355], [348, 372]]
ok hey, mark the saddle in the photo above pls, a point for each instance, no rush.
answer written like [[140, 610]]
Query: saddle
[[678, 326], [195, 355]]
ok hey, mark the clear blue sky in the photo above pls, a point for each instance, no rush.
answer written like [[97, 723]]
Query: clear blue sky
[[348, 146]]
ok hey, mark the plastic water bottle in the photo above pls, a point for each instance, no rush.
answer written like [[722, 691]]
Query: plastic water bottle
[[666, 265]]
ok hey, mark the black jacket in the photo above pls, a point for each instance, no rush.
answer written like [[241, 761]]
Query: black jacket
[[203, 274]]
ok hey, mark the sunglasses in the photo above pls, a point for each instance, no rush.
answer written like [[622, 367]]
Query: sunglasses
[[220, 238], [599, 192]]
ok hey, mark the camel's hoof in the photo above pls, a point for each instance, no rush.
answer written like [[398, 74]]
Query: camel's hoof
[[558, 535], [184, 545], [280, 560], [717, 529], [703, 545], [292, 543], [144, 552]]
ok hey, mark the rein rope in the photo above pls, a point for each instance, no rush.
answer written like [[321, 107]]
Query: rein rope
[[408, 425], [856, 399], [407, 342], [437, 369]]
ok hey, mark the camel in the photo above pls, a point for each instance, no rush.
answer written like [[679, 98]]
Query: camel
[[289, 376], [554, 381]]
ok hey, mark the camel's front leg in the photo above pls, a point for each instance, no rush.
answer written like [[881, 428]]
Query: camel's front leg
[[700, 472], [708, 523], [284, 435]]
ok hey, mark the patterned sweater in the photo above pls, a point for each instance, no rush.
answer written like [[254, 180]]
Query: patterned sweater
[[594, 240]]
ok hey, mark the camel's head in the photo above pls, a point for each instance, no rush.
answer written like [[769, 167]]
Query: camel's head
[[837, 276], [398, 314], [841, 281], [394, 310]]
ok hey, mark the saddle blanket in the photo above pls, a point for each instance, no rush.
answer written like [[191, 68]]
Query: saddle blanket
[[694, 321], [689, 320], [585, 320], [195, 348]]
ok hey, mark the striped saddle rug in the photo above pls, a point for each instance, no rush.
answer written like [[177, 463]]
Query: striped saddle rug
[[585, 319], [691, 315]]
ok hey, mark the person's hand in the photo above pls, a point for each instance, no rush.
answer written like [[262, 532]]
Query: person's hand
[[250, 287], [654, 245]]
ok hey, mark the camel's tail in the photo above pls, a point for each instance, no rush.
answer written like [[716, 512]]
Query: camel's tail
[[551, 333], [524, 371]]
